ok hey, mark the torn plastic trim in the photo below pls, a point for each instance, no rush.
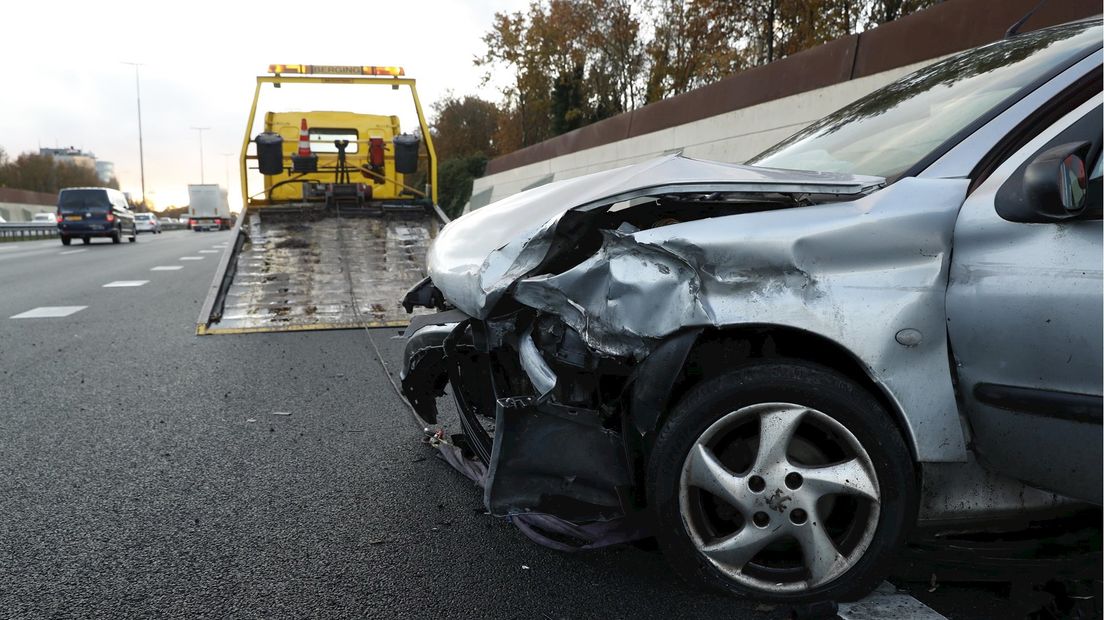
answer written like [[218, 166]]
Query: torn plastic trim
[[420, 322], [423, 295], [545, 529], [424, 374], [653, 380], [557, 459], [462, 371]]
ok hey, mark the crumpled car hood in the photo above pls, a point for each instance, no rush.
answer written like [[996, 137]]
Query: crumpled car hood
[[477, 257]]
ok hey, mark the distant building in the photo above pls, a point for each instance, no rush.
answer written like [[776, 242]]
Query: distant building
[[72, 155], [105, 170]]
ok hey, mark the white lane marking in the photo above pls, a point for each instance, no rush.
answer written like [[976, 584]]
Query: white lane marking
[[125, 283], [208, 251], [191, 258], [886, 602], [48, 312], [167, 268], [72, 252]]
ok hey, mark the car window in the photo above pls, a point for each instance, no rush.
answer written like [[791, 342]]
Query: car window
[[84, 200], [894, 129], [1011, 202], [322, 139]]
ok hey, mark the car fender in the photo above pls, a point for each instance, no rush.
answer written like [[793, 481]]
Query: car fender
[[868, 274]]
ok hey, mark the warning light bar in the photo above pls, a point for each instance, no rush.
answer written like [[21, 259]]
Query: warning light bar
[[336, 70]]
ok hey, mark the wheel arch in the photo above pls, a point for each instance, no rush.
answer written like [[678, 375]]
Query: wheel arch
[[703, 353]]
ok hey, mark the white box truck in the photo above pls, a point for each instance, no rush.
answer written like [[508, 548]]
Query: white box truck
[[208, 208]]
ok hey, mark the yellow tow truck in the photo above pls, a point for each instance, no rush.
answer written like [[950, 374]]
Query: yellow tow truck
[[338, 228]]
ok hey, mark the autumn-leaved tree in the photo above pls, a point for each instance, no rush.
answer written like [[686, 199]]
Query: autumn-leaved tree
[[616, 59], [464, 137], [42, 173], [694, 43], [464, 126], [507, 54], [562, 64], [569, 62]]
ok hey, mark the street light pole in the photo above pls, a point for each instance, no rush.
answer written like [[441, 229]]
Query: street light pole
[[226, 164], [201, 130], [141, 153]]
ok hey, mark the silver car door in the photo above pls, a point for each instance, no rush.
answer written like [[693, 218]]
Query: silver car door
[[1024, 319]]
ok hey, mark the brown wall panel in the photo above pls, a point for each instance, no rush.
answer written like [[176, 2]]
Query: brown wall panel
[[956, 25], [26, 197], [820, 66]]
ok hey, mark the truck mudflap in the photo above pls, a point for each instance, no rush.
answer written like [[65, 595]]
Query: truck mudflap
[[310, 269]]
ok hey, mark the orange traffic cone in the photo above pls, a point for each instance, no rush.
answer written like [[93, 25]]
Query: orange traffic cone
[[304, 161], [304, 140]]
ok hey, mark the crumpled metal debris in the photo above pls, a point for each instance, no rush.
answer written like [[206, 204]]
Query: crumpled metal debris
[[544, 529], [475, 258]]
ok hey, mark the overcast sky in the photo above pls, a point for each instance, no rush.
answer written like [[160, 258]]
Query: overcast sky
[[65, 84]]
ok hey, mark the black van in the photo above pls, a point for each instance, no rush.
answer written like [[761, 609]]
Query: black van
[[88, 212]]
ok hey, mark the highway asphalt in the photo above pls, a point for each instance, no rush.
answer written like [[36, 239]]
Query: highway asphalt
[[145, 471]]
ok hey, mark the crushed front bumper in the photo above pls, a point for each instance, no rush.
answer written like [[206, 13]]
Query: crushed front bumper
[[548, 454]]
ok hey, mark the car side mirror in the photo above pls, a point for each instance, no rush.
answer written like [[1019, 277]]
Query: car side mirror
[[1055, 183]]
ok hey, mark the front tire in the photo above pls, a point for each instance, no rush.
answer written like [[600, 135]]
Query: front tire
[[66, 240], [782, 481], [117, 236]]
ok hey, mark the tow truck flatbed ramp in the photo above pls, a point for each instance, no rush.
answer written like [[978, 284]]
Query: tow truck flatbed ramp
[[295, 272], [346, 210]]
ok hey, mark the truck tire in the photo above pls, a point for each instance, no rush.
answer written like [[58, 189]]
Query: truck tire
[[814, 513], [133, 235]]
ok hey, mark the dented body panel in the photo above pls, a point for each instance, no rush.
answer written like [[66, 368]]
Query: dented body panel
[[483, 253], [855, 272]]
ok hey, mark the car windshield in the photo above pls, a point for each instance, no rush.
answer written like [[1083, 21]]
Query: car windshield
[[894, 128], [83, 200]]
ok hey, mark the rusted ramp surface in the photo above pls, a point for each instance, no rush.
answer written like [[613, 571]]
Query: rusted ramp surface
[[288, 273]]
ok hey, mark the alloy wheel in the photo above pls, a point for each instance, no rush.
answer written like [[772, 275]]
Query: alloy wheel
[[779, 497]]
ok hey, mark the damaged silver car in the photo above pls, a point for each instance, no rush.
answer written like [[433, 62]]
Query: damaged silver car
[[780, 368]]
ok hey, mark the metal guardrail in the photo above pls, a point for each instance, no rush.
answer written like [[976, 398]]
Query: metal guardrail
[[22, 231], [27, 230]]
